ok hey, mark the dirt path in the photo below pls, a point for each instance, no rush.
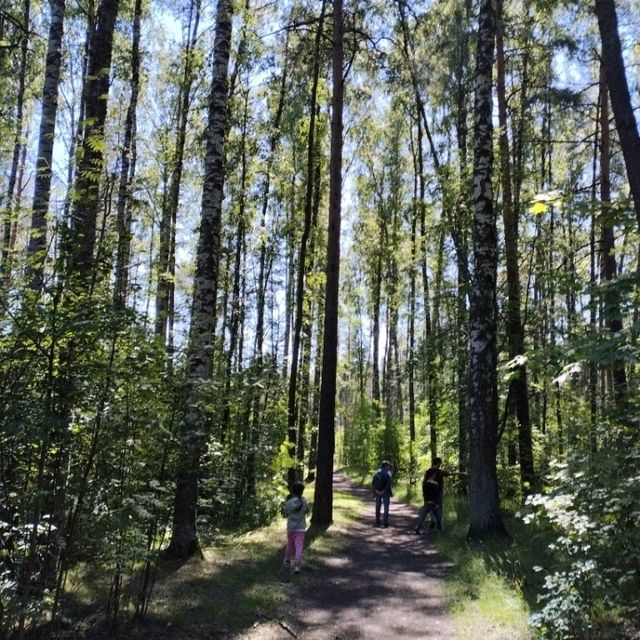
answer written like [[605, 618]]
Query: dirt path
[[382, 583]]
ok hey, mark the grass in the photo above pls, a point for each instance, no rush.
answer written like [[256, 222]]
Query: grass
[[239, 580], [492, 587]]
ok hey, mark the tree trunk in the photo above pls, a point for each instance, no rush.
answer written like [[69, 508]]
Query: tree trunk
[[515, 330], [42, 191], [484, 506], [626, 125], [184, 540], [302, 256], [127, 171], [18, 144], [323, 497], [608, 267], [166, 251], [82, 238]]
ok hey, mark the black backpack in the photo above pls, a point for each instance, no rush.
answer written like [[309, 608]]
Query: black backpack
[[380, 480]]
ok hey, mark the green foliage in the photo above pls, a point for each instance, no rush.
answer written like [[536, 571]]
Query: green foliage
[[591, 576]]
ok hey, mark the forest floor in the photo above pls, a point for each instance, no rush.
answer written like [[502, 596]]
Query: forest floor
[[382, 582], [357, 582]]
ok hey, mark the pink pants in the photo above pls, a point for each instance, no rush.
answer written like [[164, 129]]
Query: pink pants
[[295, 542]]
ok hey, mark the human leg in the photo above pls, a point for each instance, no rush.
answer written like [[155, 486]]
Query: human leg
[[290, 550], [378, 504], [386, 498], [299, 546]]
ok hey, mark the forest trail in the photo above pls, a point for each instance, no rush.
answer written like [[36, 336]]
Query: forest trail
[[380, 583]]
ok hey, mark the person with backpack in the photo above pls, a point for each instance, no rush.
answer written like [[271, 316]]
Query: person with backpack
[[295, 510], [382, 492], [430, 493]]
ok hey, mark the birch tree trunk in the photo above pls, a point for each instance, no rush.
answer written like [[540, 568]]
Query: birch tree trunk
[[184, 539], [42, 191], [484, 506]]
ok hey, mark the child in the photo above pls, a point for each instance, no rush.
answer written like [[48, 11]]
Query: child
[[295, 509]]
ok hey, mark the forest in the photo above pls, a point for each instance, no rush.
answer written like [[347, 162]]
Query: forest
[[246, 242]]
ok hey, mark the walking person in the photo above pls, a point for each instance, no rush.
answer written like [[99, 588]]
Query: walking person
[[382, 480], [430, 493], [295, 510]]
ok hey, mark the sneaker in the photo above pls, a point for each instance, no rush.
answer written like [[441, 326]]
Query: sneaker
[[385, 525], [296, 569], [416, 530]]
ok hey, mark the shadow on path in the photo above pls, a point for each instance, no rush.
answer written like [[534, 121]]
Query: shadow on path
[[381, 582]]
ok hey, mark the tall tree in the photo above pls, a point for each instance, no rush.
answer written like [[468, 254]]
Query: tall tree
[[166, 251], [608, 266], [303, 243], [484, 505], [323, 496], [184, 537], [519, 391], [620, 97], [42, 190], [127, 169], [87, 202], [18, 145]]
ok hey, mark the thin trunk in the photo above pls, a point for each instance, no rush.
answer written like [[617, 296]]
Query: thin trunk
[[127, 170], [608, 267], [42, 191], [18, 144], [515, 330], [302, 256], [166, 250]]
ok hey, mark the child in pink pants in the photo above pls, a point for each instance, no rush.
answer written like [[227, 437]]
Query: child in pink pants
[[295, 509]]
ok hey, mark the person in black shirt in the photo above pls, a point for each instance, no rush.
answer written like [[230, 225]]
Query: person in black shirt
[[440, 475], [430, 493]]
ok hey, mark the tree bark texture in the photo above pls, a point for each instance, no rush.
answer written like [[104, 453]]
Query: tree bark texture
[[127, 170], [184, 540], [620, 97], [87, 203], [484, 507], [42, 190], [323, 497]]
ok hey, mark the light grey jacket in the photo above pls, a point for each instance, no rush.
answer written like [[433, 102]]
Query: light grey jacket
[[296, 510]]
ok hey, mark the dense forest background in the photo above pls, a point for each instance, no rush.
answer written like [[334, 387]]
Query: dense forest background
[[228, 227]]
